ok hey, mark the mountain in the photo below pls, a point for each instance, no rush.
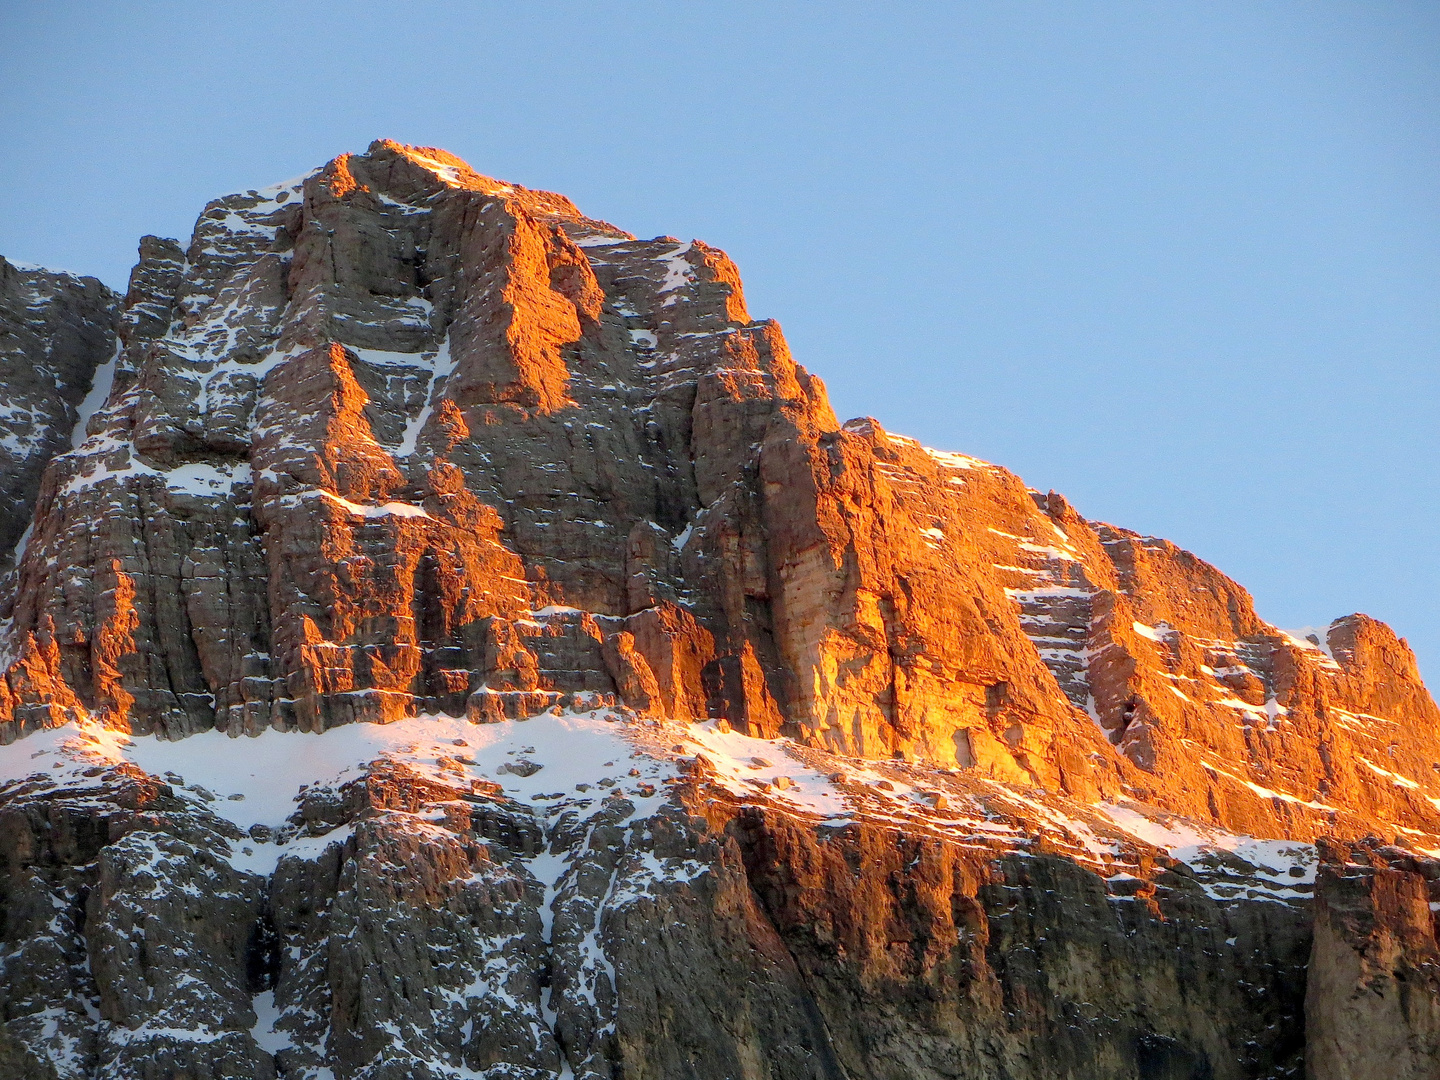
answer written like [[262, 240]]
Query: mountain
[[465, 643]]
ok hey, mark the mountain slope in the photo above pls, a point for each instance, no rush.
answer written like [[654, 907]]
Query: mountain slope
[[398, 444]]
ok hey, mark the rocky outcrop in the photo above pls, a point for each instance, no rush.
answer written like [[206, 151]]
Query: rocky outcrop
[[483, 914], [904, 768], [931, 961], [1222, 715], [56, 331], [1373, 995]]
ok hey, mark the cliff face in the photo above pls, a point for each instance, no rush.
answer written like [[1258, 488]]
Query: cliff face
[[893, 747], [588, 894], [1373, 996], [56, 330]]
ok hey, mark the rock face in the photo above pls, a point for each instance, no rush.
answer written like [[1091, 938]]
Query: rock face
[[398, 444], [1373, 997], [487, 915], [56, 331]]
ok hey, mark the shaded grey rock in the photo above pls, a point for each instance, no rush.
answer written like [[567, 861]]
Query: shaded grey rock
[[1373, 997], [56, 330], [426, 930]]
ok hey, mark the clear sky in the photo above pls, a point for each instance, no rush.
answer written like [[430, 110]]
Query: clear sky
[[1179, 261]]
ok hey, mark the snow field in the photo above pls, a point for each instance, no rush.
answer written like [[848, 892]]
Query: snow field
[[565, 763]]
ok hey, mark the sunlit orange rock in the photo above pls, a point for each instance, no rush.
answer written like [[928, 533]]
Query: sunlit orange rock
[[401, 438]]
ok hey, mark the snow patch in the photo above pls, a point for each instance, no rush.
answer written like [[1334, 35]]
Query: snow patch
[[1394, 778], [1313, 639], [678, 272], [955, 461], [746, 766], [1265, 792], [599, 240], [389, 509], [94, 401], [443, 366], [268, 771], [1154, 633], [1283, 870], [264, 1033]]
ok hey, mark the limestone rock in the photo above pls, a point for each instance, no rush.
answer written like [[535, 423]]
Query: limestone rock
[[1373, 995], [987, 789], [416, 921], [56, 331]]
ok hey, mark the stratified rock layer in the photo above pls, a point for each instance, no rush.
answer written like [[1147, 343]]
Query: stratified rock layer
[[398, 440]]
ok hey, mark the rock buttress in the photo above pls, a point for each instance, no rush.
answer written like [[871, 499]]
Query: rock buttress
[[56, 331]]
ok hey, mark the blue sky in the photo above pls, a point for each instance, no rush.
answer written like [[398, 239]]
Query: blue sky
[[1178, 261]]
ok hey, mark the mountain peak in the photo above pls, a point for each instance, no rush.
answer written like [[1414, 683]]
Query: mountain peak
[[461, 627], [442, 163]]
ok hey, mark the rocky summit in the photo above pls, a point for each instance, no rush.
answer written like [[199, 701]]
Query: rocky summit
[[445, 636]]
